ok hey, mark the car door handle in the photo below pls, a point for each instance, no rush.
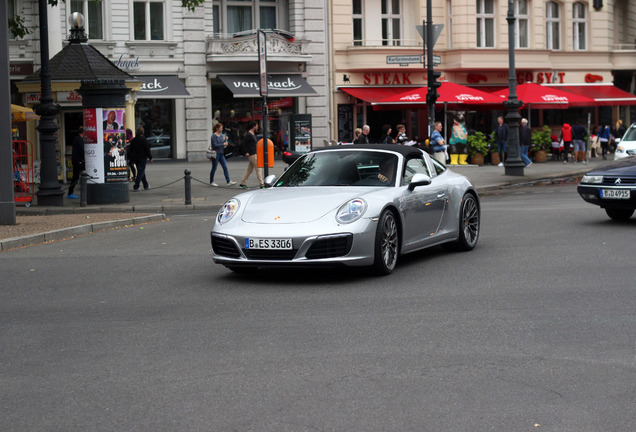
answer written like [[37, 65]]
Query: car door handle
[[441, 195]]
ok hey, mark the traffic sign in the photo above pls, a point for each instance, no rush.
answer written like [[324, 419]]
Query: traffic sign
[[437, 29]]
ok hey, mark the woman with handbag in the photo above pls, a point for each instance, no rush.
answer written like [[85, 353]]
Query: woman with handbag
[[217, 145]]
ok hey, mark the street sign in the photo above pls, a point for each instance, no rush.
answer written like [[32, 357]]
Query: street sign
[[437, 60], [437, 29], [404, 59]]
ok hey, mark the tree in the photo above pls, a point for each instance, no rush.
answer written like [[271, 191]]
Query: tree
[[16, 24]]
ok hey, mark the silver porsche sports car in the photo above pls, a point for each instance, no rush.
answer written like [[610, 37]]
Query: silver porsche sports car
[[361, 205]]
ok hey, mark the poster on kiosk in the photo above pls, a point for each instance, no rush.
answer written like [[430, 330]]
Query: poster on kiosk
[[301, 133], [104, 141]]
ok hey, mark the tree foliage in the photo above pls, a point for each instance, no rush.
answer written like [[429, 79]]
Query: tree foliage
[[17, 27]]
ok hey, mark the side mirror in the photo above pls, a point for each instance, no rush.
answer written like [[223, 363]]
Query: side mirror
[[269, 180], [419, 180], [617, 140]]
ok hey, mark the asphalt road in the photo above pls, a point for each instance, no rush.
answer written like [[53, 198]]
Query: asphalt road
[[136, 330]]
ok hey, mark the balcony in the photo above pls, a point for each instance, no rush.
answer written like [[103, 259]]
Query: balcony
[[243, 46]]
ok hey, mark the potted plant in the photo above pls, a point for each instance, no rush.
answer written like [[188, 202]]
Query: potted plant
[[494, 151], [477, 147], [541, 143]]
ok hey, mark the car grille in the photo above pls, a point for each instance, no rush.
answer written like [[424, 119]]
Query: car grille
[[225, 247], [330, 247], [611, 181], [264, 254]]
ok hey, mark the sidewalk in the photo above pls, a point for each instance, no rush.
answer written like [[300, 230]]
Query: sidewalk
[[167, 185], [167, 195]]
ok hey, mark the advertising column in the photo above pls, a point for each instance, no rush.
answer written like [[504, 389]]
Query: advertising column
[[104, 112], [301, 133]]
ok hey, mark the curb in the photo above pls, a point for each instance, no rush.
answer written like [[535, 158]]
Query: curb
[[71, 232]]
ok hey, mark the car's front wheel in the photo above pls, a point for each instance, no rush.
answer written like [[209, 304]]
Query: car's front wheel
[[619, 213], [469, 222], [386, 244]]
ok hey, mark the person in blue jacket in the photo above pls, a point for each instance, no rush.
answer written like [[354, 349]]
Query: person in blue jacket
[[438, 143]]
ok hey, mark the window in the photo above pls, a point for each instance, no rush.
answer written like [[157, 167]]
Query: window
[[93, 16], [414, 166], [357, 23], [391, 22], [579, 22], [148, 20], [553, 26], [522, 24], [485, 24], [233, 16]]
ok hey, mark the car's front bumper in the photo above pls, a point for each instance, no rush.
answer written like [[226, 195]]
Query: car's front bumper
[[351, 246], [591, 193]]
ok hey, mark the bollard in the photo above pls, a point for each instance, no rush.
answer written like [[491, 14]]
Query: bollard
[[83, 188], [188, 187]]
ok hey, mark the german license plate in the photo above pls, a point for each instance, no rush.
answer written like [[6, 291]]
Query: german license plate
[[273, 244], [615, 193]]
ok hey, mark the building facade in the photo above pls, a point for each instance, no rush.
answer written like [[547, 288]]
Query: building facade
[[192, 64], [568, 44]]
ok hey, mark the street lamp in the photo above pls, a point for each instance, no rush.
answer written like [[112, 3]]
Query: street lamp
[[49, 193], [513, 165]]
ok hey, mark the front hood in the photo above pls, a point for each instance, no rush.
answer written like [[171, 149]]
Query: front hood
[[296, 205], [622, 167]]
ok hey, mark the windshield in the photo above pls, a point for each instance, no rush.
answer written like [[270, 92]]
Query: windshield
[[342, 168]]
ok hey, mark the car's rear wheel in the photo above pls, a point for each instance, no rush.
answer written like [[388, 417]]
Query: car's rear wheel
[[386, 244], [469, 222], [619, 213]]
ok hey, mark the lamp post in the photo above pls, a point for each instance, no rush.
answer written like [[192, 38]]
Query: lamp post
[[513, 165], [49, 193]]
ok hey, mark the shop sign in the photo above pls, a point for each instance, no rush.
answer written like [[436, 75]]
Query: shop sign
[[69, 97], [387, 78], [129, 65], [20, 69], [32, 97]]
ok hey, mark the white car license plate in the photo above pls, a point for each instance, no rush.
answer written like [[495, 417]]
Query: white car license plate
[[615, 193], [274, 244]]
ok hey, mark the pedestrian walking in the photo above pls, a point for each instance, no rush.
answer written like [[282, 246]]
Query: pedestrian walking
[[401, 137], [501, 137], [604, 136], [139, 153], [356, 135], [579, 137], [248, 146], [77, 161], [387, 138], [218, 142], [566, 137], [132, 169], [364, 136], [438, 143], [525, 139]]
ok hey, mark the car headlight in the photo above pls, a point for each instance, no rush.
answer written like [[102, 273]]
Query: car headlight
[[228, 210], [592, 179], [351, 211], [620, 149]]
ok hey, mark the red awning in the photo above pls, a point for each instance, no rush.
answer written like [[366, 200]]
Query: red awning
[[604, 94], [448, 93], [540, 96], [374, 94]]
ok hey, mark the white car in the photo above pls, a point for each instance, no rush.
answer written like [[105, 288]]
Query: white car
[[627, 145]]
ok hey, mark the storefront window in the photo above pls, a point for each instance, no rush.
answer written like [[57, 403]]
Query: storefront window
[[156, 116], [235, 113]]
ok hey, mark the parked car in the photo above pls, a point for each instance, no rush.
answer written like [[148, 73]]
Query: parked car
[[361, 205], [612, 187], [626, 146]]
